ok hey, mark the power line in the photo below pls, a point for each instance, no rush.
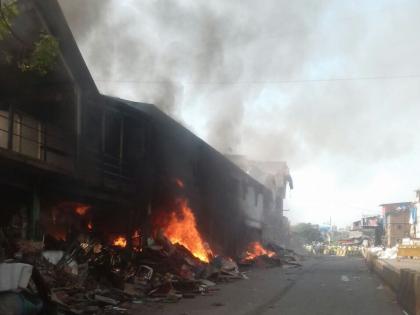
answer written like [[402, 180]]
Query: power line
[[297, 81]]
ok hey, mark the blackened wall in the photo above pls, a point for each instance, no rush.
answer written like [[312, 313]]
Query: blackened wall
[[215, 187], [128, 155]]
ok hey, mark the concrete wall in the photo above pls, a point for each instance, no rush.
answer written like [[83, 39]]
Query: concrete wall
[[404, 282]]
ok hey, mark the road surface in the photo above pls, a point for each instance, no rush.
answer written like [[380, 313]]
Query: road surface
[[324, 285]]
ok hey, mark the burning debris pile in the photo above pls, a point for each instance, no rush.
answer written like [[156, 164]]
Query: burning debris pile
[[90, 277], [111, 277], [180, 227], [270, 256], [89, 273]]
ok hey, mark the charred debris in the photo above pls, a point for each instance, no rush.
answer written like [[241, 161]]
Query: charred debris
[[108, 203], [89, 276]]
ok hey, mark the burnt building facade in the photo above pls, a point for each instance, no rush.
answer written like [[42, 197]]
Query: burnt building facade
[[276, 177], [73, 159]]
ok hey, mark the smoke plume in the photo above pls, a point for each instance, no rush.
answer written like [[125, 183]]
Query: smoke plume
[[252, 73], [330, 86]]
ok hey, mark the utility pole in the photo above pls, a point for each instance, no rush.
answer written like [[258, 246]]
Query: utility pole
[[331, 232]]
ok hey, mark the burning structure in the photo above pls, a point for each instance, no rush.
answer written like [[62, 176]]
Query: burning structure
[[276, 177], [103, 179], [78, 161]]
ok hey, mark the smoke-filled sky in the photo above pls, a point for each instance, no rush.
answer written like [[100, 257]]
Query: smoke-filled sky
[[330, 86]]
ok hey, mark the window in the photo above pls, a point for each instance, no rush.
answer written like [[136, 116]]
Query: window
[[244, 190], [92, 132], [134, 140], [4, 128], [256, 199], [27, 135], [113, 130], [124, 143]]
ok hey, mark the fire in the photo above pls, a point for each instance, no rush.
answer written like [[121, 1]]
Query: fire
[[90, 226], [255, 249], [182, 229], [120, 241], [81, 209]]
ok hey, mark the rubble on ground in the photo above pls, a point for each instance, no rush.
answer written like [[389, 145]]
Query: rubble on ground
[[88, 277], [270, 256]]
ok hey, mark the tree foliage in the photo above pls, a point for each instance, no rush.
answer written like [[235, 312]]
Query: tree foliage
[[40, 56], [43, 57], [8, 11], [307, 232]]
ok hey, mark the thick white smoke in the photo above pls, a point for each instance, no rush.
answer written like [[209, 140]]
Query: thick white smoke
[[254, 77]]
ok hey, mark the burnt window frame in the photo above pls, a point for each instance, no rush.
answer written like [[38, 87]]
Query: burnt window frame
[[123, 164], [118, 115], [111, 165]]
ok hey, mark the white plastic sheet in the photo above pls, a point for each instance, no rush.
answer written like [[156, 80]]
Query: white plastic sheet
[[14, 276], [53, 256], [387, 253]]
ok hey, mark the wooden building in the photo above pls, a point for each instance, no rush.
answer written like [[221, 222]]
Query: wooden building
[[64, 146]]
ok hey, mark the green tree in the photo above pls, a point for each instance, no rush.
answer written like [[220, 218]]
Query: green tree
[[307, 232], [8, 11], [39, 56], [43, 57]]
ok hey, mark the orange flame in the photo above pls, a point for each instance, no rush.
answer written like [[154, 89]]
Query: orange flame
[[182, 229], [90, 226], [255, 249], [120, 241], [81, 209]]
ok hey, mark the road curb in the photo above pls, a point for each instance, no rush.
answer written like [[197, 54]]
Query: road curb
[[404, 282]]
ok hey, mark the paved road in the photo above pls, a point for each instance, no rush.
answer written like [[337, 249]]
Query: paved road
[[334, 285], [324, 286]]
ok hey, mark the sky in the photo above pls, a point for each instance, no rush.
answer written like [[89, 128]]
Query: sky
[[332, 87]]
